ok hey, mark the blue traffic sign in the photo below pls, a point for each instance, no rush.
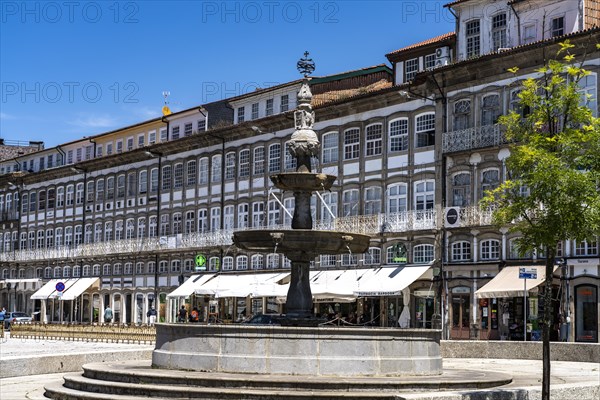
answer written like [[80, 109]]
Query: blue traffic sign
[[60, 287], [527, 273]]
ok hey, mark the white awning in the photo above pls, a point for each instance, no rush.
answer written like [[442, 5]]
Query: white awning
[[239, 285], [508, 284], [81, 285], [336, 285], [390, 281], [267, 285], [188, 287], [49, 289]]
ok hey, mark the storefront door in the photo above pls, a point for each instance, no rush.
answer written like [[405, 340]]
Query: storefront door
[[586, 313], [424, 308], [461, 312]]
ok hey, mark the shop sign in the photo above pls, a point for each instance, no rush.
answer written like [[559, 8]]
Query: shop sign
[[200, 261]]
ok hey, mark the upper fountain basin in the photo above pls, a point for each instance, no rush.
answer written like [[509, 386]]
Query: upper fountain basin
[[303, 181]]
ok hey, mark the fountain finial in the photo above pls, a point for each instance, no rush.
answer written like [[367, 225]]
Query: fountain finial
[[306, 66]]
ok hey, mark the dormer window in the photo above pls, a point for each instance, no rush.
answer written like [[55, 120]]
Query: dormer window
[[499, 31], [429, 61], [558, 26], [241, 111], [255, 111], [269, 108], [285, 103], [411, 69], [473, 38]]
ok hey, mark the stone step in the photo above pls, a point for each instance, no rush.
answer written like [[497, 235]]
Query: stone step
[[77, 386], [141, 372]]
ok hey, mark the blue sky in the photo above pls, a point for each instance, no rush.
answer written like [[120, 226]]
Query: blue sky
[[72, 69]]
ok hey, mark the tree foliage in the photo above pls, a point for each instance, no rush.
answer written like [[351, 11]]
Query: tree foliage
[[552, 190]]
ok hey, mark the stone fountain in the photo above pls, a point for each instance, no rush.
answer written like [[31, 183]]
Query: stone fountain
[[300, 346]]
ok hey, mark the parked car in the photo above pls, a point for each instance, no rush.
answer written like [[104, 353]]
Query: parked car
[[265, 319], [15, 316]]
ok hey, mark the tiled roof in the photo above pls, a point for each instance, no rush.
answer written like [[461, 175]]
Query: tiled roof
[[424, 43], [337, 95], [453, 3]]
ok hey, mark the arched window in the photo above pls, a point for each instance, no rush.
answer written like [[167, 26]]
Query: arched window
[[76, 271], [329, 147], [425, 130], [57, 272], [256, 261], [86, 270], [273, 261], [490, 249], [48, 272], [67, 272], [461, 189], [423, 253], [398, 133], [374, 134], [241, 262]]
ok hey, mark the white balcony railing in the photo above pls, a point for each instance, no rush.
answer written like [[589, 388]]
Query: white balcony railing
[[405, 221], [473, 138]]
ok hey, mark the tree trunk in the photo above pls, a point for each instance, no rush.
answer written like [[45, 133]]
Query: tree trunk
[[546, 324]]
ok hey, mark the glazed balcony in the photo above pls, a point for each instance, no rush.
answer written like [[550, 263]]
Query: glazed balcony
[[360, 224], [478, 137]]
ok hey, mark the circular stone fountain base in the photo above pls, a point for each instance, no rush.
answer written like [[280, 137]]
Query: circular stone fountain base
[[320, 351]]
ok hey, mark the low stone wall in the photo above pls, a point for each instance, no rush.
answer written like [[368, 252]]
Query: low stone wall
[[87, 333], [321, 351], [559, 351]]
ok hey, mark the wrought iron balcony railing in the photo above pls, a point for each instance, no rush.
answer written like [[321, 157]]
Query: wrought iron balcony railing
[[473, 138]]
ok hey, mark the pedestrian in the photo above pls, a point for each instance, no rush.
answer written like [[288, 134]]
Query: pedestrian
[[182, 314], [151, 314], [2, 316], [108, 315]]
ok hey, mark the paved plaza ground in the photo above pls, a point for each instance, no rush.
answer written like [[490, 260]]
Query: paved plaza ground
[[570, 380]]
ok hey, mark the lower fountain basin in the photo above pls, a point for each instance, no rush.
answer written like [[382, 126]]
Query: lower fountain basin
[[319, 351], [308, 242]]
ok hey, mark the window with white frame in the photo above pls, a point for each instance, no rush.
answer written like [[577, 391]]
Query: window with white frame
[[349, 260], [174, 133], [373, 200], [424, 195], [98, 151], [259, 161], [329, 206], [190, 222], [96, 270], [216, 168], [228, 263], [462, 115], [241, 114], [490, 109], [586, 248], [256, 262], [192, 173], [499, 37], [515, 253], [229, 217], [254, 110], [165, 225], [273, 213], [461, 189], [98, 232], [398, 134], [423, 253], [89, 193], [151, 267], [152, 226], [78, 156], [489, 249], [490, 179], [275, 158], [151, 137], [177, 224], [285, 103], [141, 228], [374, 134], [397, 198], [242, 215], [425, 130], [290, 161], [327, 260], [557, 26], [203, 170], [178, 176], [141, 140], [33, 199], [175, 266], [288, 203], [472, 33], [166, 177], [163, 267], [241, 263], [372, 256], [76, 271], [201, 125], [411, 67], [164, 135], [258, 211], [202, 220], [230, 166], [139, 268], [244, 163], [588, 91], [120, 186], [129, 143], [429, 61], [351, 144], [273, 261], [269, 107], [330, 147], [461, 251], [350, 202], [154, 180], [78, 238], [187, 129], [119, 146], [215, 219], [119, 230]]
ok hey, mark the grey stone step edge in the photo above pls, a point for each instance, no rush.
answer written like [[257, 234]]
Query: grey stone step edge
[[135, 373]]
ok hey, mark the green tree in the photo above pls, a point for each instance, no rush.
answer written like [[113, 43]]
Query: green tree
[[552, 190]]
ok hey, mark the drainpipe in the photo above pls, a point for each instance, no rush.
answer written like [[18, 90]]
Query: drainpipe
[[512, 7], [95, 146], [63, 155]]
